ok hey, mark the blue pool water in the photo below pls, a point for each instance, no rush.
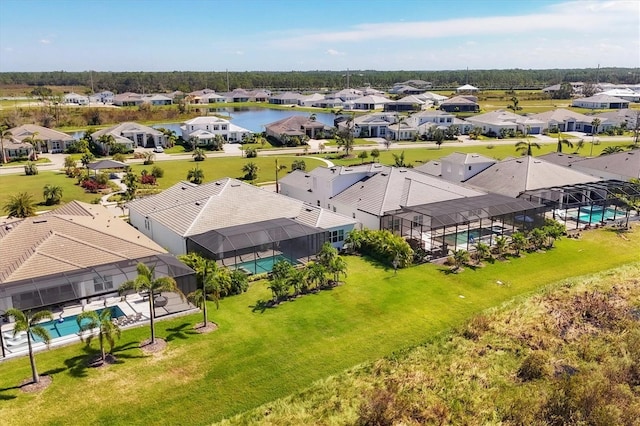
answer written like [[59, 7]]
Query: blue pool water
[[260, 266], [597, 215], [70, 325], [472, 236]]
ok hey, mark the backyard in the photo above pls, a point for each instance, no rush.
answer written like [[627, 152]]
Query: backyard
[[258, 355]]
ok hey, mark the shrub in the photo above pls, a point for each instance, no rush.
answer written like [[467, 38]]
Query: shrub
[[102, 179], [119, 157], [157, 172], [90, 185], [148, 179], [251, 152], [30, 169], [533, 367], [381, 245]]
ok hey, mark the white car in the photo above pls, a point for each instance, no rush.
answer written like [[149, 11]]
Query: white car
[[158, 149]]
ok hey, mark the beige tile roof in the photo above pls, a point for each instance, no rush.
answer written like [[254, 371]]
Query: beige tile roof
[[26, 130], [78, 236]]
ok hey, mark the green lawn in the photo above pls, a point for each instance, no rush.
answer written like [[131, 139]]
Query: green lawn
[[174, 171], [256, 357]]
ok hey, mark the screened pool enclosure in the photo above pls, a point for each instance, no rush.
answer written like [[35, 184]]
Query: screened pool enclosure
[[442, 227], [255, 247]]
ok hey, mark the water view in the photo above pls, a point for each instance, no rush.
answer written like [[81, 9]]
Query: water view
[[253, 119]]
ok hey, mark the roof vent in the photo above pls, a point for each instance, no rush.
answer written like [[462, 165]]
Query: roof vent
[[40, 221], [402, 171], [197, 203], [348, 170], [8, 227]]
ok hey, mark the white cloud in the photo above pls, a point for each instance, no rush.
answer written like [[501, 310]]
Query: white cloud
[[8, 49], [239, 52], [333, 52], [45, 41]]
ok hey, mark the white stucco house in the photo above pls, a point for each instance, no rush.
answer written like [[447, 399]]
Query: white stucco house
[[205, 129], [132, 134], [600, 101], [76, 99]]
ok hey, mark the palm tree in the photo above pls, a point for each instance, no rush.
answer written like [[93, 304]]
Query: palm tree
[[483, 251], [4, 134], [561, 142], [398, 160], [250, 171], [518, 242], [316, 274], [579, 145], [86, 158], [206, 271], [195, 175], [130, 180], [198, 154], [52, 194], [501, 245], [525, 147], [594, 131], [149, 157], [107, 141], [460, 258], [279, 168], [34, 141], [611, 150], [146, 282], [20, 205], [25, 322], [337, 267], [107, 329], [344, 138]]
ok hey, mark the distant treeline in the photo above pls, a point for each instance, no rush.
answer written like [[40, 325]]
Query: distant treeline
[[187, 81]]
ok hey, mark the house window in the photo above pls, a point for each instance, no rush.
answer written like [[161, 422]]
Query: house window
[[102, 283], [417, 221], [334, 209], [335, 236]]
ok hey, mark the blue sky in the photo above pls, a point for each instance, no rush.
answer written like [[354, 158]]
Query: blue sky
[[286, 35]]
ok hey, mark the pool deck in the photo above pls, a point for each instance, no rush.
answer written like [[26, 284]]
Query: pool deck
[[132, 305]]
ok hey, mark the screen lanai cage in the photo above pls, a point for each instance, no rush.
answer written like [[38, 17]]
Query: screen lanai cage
[[591, 204], [88, 284], [254, 248], [442, 227]]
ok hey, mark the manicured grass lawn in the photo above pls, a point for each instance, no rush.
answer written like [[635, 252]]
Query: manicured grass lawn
[[256, 357], [418, 156]]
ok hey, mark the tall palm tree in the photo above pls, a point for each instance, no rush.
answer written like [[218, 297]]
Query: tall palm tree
[[146, 282], [337, 267], [107, 141], [561, 142], [20, 205], [525, 147], [4, 134], [206, 271], [25, 322], [594, 131], [250, 170], [501, 245], [279, 168], [107, 329], [52, 194], [316, 274], [483, 251], [195, 175]]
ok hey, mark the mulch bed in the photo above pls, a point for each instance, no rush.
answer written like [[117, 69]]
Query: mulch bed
[[28, 386], [96, 362], [149, 348], [200, 328]]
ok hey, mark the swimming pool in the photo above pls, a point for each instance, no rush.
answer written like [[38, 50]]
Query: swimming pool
[[597, 214], [265, 264], [70, 326], [472, 236]]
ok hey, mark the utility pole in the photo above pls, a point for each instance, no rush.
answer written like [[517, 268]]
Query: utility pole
[[228, 89]]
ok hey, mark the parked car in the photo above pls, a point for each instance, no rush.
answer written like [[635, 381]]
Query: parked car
[[158, 149]]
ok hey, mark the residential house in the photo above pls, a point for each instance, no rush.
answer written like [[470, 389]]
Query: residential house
[[346, 95], [371, 102], [402, 131], [370, 199], [132, 135], [286, 98], [295, 126], [600, 101], [407, 104], [513, 177], [77, 252], [236, 223], [405, 89], [242, 95], [458, 166], [128, 99], [310, 100], [566, 121], [157, 100], [52, 141], [625, 118], [460, 104], [374, 125], [205, 130], [320, 184], [15, 150], [210, 98], [104, 97], [76, 99], [495, 123], [619, 166], [623, 93]]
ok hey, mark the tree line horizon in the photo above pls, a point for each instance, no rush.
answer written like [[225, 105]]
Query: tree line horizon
[[188, 81]]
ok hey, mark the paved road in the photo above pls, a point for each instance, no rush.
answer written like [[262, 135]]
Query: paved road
[[233, 150]]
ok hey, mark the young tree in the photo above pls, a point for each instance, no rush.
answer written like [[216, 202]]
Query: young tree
[[195, 175], [375, 154], [363, 155], [69, 164], [500, 246], [20, 205], [5, 134], [562, 142], [149, 158], [279, 168], [131, 182], [483, 251], [398, 160], [460, 258], [35, 142], [316, 274], [250, 171], [52, 194], [147, 282], [594, 131], [518, 242], [107, 329], [611, 150], [25, 322], [524, 147], [344, 138], [298, 165], [514, 104]]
